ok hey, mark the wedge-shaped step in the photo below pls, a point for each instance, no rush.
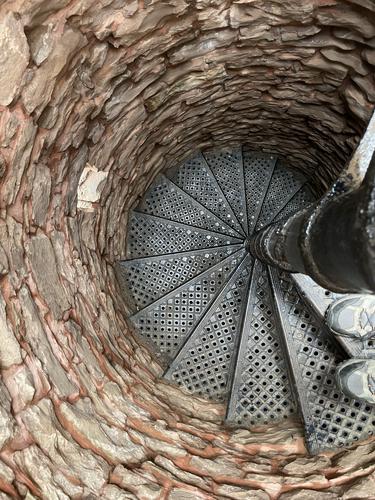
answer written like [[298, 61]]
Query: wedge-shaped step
[[196, 178], [149, 235], [202, 364], [331, 419], [150, 278], [283, 186], [258, 170], [302, 199], [260, 389], [165, 199], [319, 299], [227, 167], [165, 323]]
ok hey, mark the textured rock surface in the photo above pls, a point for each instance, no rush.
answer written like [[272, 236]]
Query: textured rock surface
[[131, 88], [14, 57]]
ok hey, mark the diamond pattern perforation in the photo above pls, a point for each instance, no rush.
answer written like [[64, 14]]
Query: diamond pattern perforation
[[319, 299], [300, 200], [283, 186], [149, 235], [203, 364], [338, 421], [258, 170], [150, 279], [228, 170], [168, 321], [165, 199], [195, 177], [261, 390]]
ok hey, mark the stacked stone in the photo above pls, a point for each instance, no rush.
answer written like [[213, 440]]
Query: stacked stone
[[97, 97]]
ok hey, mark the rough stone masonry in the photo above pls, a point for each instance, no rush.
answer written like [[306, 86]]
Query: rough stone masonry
[[127, 88]]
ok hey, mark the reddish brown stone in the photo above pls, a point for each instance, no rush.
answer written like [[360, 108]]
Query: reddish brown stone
[[132, 88]]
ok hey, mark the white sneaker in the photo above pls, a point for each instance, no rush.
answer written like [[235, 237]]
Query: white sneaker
[[356, 379], [352, 316]]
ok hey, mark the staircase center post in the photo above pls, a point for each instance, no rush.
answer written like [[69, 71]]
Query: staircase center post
[[332, 241]]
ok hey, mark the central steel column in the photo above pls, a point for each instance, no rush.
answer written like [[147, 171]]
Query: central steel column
[[332, 241]]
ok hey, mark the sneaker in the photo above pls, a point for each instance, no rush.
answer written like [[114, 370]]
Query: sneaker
[[352, 316], [356, 379]]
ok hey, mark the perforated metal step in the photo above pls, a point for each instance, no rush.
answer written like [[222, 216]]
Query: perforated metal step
[[167, 321], [149, 235], [203, 362], [196, 178], [149, 278], [227, 167], [260, 390], [302, 199], [226, 327], [258, 170], [331, 419], [283, 186], [167, 200]]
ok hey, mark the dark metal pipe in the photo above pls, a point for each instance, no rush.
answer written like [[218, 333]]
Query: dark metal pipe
[[332, 241]]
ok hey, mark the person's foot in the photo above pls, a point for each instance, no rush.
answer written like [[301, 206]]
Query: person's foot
[[356, 379], [352, 316]]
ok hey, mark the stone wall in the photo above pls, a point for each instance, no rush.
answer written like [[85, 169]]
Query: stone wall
[[116, 91]]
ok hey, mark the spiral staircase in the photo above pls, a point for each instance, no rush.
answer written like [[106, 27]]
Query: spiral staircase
[[225, 326]]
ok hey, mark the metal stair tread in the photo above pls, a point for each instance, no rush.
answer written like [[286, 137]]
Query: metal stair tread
[[283, 186], [203, 361], [167, 200], [166, 322], [227, 167], [301, 199], [330, 418], [258, 171], [195, 177], [150, 278], [260, 389], [168, 235]]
